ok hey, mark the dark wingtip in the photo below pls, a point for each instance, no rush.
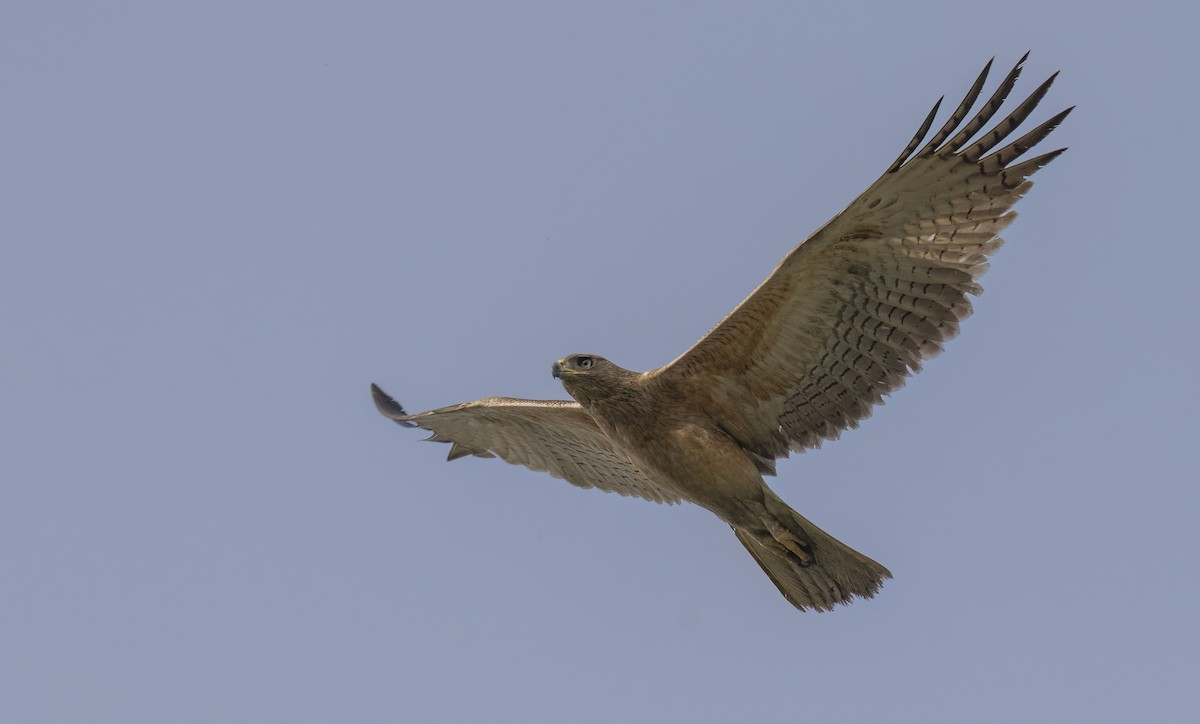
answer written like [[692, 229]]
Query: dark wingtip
[[388, 407], [916, 139]]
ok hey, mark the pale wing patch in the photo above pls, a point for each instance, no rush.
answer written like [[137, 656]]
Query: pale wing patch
[[551, 436]]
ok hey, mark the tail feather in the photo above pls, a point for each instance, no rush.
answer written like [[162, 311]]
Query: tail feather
[[836, 574]]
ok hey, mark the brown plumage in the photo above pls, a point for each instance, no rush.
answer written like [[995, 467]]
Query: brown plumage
[[843, 320]]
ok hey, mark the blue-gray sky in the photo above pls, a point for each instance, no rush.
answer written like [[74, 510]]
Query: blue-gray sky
[[221, 221]]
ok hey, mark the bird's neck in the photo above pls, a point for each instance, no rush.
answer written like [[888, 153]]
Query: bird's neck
[[620, 401]]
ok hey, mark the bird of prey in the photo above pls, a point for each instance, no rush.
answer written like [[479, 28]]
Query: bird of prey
[[843, 320]]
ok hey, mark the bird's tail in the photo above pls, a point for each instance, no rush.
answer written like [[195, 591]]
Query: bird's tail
[[811, 568]]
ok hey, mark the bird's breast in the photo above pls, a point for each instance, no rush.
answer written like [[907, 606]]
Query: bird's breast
[[704, 466]]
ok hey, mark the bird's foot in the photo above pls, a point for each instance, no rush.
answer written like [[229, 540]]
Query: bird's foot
[[789, 545]]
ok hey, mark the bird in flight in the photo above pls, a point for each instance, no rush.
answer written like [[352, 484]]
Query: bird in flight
[[842, 321]]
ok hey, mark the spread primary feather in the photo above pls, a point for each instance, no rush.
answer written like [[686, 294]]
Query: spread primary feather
[[842, 321]]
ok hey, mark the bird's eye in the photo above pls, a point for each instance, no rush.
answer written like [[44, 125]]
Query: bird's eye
[[585, 362]]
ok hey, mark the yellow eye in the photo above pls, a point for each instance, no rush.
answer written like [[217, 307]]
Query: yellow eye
[[585, 362]]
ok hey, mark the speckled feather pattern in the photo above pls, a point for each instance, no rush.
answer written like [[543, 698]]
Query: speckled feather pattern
[[854, 309], [841, 322], [552, 436]]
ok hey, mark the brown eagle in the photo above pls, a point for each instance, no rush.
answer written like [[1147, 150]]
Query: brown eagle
[[841, 322]]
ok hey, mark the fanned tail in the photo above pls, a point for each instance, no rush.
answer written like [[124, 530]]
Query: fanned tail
[[826, 571]]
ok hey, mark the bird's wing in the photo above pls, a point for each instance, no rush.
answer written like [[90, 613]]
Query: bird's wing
[[855, 308], [551, 436]]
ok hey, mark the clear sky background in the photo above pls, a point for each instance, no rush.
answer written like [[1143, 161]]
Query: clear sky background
[[221, 221]]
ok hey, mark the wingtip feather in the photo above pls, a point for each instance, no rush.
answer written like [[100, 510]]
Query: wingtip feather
[[916, 139], [985, 113], [389, 407], [959, 113]]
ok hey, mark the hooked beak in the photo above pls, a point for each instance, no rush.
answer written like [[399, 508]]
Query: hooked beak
[[556, 370]]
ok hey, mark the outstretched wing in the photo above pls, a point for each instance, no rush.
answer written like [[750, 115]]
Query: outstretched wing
[[855, 308], [550, 436]]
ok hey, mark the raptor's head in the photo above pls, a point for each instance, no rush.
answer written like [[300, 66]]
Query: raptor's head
[[577, 365], [588, 377]]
